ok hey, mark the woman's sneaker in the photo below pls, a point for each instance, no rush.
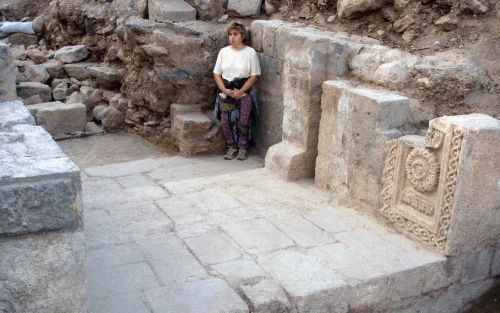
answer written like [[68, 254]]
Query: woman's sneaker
[[242, 154], [231, 153]]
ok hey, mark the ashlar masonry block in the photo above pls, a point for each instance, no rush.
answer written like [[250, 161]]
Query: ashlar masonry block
[[171, 10], [60, 119], [356, 124], [443, 190], [39, 186]]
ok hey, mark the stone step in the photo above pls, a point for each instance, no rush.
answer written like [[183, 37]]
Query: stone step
[[60, 119], [171, 10], [193, 131]]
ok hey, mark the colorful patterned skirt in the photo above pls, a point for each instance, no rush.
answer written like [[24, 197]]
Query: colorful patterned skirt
[[236, 117]]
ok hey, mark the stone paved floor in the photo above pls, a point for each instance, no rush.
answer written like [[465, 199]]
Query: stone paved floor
[[175, 235]]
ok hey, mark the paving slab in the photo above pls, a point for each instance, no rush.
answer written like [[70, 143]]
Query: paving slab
[[213, 247], [258, 236], [204, 296]]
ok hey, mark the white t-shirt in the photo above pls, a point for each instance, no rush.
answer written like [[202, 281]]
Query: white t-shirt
[[233, 64]]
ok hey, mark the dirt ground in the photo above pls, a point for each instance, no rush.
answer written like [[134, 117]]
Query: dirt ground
[[489, 303], [110, 148]]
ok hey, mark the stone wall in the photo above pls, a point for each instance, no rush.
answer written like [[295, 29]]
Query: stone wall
[[309, 56], [156, 69]]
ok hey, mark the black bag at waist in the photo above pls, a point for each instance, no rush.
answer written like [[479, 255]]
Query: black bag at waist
[[235, 84]]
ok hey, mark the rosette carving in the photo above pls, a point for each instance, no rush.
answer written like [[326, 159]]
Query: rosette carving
[[422, 170]]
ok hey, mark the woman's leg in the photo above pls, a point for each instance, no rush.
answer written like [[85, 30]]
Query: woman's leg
[[244, 121], [227, 127]]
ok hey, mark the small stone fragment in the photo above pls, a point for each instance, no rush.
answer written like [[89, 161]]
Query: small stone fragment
[[447, 22], [403, 23]]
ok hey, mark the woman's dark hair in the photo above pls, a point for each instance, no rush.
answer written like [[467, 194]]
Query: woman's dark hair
[[239, 27]]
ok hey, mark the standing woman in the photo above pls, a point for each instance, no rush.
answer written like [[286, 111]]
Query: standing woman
[[235, 73]]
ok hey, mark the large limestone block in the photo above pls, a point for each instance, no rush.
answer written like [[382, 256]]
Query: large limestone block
[[43, 273], [354, 8], [356, 124], [287, 160], [443, 189], [7, 74], [26, 90], [40, 187], [208, 9], [60, 119], [171, 10], [195, 132], [247, 8], [72, 54], [269, 117]]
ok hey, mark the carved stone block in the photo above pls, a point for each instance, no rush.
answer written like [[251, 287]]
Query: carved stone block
[[427, 183]]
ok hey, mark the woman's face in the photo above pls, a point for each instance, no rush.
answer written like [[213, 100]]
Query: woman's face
[[235, 37]]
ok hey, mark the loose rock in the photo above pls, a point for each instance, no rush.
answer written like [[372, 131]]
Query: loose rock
[[246, 8], [403, 23], [447, 23], [72, 54], [353, 8], [112, 119], [28, 89]]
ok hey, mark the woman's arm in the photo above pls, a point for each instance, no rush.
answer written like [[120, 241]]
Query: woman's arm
[[246, 87], [220, 84]]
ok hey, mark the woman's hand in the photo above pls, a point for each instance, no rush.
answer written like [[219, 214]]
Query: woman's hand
[[237, 94], [228, 92]]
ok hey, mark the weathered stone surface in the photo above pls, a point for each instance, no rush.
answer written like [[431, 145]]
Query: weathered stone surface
[[33, 73], [239, 272], [212, 295], [303, 72], [455, 153], [36, 55], [267, 297], [107, 77], [40, 185], [171, 10], [354, 8], [29, 89], [112, 119], [60, 119], [257, 236], [48, 275], [352, 140], [55, 68], [477, 265], [250, 8], [13, 113], [80, 71], [60, 92], [311, 286], [194, 132], [208, 9], [72, 54], [8, 74], [213, 247], [270, 115]]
